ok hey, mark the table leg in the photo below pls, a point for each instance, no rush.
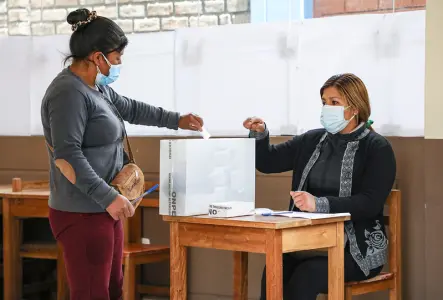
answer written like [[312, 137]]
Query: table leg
[[12, 263], [274, 265], [240, 275], [336, 270], [178, 261]]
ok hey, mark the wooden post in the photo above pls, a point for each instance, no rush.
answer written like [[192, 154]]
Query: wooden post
[[17, 185]]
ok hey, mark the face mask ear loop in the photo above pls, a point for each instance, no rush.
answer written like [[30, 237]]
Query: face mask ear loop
[[107, 61], [98, 69], [351, 118], [352, 115]]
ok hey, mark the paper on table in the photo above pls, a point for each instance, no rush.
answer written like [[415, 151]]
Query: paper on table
[[312, 216], [205, 134], [295, 214]]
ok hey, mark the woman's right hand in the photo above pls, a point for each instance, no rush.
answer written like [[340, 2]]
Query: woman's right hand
[[254, 124], [120, 208]]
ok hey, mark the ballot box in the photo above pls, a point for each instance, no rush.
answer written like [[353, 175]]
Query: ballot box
[[195, 173]]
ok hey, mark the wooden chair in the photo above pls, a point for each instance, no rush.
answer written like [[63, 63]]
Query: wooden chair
[[136, 254], [386, 280], [43, 250]]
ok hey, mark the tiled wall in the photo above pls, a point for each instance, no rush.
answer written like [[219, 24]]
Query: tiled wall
[[48, 17]]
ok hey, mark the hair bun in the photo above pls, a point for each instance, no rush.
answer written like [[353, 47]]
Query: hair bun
[[79, 15]]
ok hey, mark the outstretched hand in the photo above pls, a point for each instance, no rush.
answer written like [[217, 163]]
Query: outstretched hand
[[254, 124], [190, 122]]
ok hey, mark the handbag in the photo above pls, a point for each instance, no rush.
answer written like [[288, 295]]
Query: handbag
[[130, 180]]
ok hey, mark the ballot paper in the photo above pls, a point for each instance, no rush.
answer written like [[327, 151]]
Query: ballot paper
[[205, 134]]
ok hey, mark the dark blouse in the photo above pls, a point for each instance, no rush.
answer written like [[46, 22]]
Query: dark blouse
[[345, 173], [324, 178]]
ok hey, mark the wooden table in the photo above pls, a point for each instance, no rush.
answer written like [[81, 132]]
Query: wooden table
[[33, 203], [272, 236]]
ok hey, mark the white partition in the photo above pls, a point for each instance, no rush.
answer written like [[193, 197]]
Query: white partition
[[407, 104], [326, 48], [275, 71], [229, 73], [46, 61], [147, 75], [14, 77], [385, 51]]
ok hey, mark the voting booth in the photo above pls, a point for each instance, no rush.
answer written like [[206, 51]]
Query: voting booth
[[195, 173]]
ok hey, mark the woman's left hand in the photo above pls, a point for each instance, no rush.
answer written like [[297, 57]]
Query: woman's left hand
[[303, 201], [190, 122]]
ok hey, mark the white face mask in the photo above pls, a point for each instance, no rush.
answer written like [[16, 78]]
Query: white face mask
[[333, 118]]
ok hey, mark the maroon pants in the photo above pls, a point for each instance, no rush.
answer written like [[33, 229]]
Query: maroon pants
[[92, 248]]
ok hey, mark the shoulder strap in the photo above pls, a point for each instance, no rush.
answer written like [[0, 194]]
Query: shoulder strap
[[115, 110], [131, 156]]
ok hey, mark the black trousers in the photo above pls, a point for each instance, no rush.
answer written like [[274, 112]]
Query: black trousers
[[305, 274]]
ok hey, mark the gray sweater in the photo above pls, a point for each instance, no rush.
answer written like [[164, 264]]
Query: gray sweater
[[85, 137]]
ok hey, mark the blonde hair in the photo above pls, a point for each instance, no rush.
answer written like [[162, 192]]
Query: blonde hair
[[354, 91]]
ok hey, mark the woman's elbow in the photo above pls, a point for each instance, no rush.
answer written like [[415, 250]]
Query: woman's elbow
[[263, 167]]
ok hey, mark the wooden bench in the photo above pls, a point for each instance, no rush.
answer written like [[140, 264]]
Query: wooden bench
[[134, 253], [386, 280]]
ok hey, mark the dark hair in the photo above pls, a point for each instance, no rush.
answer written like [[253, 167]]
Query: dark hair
[[93, 33]]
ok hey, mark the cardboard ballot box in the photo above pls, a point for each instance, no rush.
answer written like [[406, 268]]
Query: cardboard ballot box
[[195, 173]]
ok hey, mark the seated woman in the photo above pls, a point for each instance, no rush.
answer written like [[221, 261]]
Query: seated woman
[[345, 167]]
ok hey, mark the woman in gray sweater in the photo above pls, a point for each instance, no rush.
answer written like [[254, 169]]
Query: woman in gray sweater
[[83, 125]]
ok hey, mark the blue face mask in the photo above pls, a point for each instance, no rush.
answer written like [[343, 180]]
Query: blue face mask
[[114, 72], [333, 118]]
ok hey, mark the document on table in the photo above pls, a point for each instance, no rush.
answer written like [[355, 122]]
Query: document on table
[[312, 216], [303, 215]]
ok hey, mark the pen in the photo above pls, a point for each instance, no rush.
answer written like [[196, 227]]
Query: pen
[[134, 201], [276, 213]]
